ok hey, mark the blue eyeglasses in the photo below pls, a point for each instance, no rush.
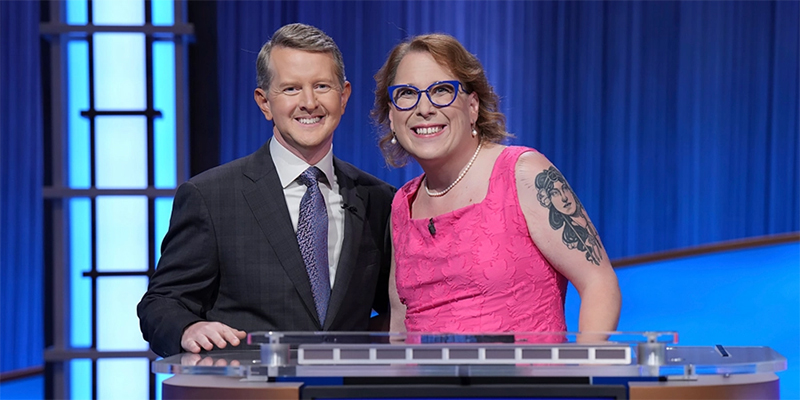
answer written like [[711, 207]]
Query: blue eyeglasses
[[441, 94]]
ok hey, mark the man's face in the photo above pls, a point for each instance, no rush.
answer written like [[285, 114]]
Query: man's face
[[562, 198], [305, 101]]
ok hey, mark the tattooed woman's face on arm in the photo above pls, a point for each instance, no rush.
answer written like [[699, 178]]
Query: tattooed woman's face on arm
[[563, 199]]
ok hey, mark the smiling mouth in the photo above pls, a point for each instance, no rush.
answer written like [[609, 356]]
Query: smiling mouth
[[428, 130], [308, 121]]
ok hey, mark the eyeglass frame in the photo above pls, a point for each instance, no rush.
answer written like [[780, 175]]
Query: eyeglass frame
[[456, 84]]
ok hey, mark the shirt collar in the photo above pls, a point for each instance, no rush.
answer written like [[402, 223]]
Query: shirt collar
[[290, 166]]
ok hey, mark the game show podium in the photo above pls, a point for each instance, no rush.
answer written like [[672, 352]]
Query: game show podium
[[551, 365]]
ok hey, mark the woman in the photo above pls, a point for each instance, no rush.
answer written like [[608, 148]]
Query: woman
[[476, 245]]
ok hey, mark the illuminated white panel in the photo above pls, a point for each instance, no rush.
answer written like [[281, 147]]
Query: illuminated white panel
[[119, 71], [78, 100], [164, 101], [121, 233], [118, 12], [121, 152], [76, 12], [80, 379], [80, 261], [163, 210], [163, 12], [117, 323], [123, 378]]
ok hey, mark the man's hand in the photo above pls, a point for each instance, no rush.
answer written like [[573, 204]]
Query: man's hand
[[205, 335]]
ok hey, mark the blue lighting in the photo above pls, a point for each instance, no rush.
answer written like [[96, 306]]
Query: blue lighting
[[164, 101], [160, 378], [78, 100], [80, 381], [717, 298], [80, 251], [76, 12], [163, 12], [163, 208], [121, 162]]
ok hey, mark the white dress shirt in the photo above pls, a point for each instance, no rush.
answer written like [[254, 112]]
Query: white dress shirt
[[289, 168]]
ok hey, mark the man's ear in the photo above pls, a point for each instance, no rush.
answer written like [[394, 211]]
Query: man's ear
[[345, 95], [260, 97]]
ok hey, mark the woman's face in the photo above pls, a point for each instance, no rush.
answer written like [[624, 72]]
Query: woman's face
[[563, 199], [428, 132]]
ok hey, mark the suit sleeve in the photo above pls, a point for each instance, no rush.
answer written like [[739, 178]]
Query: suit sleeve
[[186, 279]]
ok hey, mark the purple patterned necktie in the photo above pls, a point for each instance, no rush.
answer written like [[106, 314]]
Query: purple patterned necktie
[[312, 236]]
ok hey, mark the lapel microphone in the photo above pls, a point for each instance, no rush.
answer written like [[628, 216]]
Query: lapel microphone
[[350, 208], [431, 228]]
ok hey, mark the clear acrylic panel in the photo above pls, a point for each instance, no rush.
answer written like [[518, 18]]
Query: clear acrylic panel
[[546, 354]]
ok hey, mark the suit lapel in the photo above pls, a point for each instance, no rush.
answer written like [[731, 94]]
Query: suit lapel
[[265, 197], [355, 212]]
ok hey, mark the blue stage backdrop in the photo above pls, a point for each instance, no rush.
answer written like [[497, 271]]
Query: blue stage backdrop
[[675, 122], [21, 177]]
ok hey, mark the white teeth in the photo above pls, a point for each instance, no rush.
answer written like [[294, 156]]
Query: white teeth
[[428, 131], [309, 121]]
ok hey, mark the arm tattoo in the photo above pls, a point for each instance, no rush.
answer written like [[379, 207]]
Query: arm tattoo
[[566, 211]]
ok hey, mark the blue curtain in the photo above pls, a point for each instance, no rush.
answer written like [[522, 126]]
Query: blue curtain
[[675, 122], [21, 175]]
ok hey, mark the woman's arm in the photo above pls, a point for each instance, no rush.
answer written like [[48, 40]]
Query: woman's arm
[[563, 232]]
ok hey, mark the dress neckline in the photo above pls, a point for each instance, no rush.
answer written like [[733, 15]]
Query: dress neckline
[[414, 193]]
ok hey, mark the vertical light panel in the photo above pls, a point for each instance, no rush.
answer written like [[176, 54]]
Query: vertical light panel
[[121, 152], [121, 223], [163, 210], [80, 260], [78, 100], [76, 12], [80, 246], [80, 381], [123, 378], [118, 12], [80, 215], [119, 71], [118, 327], [164, 101], [163, 12]]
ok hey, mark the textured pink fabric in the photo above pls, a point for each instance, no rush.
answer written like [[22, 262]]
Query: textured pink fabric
[[481, 271]]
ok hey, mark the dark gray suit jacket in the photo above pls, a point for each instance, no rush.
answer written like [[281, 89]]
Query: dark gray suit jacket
[[231, 255]]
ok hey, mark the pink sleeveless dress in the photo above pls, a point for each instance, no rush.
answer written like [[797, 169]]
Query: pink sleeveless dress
[[480, 271]]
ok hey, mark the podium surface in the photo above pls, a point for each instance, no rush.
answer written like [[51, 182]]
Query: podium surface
[[613, 365]]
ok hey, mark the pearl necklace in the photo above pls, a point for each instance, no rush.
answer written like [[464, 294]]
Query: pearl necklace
[[460, 176]]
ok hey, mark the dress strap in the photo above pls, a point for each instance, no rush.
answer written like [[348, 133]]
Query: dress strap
[[505, 166]]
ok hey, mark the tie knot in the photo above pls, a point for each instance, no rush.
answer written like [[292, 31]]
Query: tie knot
[[310, 176]]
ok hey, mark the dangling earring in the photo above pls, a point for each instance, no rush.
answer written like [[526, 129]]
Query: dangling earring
[[474, 132], [394, 138]]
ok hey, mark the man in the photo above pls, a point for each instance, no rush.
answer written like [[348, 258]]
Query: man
[[246, 251]]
